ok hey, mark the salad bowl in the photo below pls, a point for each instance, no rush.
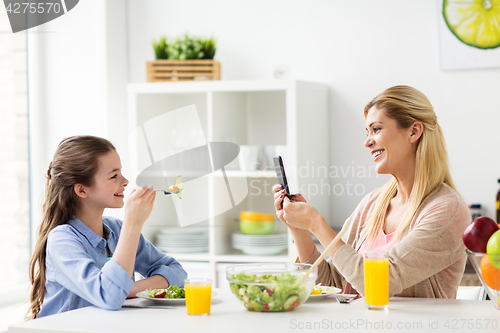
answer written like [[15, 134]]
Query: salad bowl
[[271, 287]]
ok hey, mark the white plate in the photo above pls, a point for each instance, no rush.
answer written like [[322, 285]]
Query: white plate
[[260, 244], [237, 245], [183, 250], [182, 237], [178, 244], [328, 291], [165, 301], [261, 251], [260, 237], [184, 231], [180, 241]]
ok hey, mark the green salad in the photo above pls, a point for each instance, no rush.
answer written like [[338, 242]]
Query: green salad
[[281, 292], [170, 292]]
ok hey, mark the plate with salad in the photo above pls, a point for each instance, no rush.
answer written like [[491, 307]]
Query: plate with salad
[[321, 292], [172, 295]]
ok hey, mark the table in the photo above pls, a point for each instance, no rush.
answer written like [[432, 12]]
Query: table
[[228, 315]]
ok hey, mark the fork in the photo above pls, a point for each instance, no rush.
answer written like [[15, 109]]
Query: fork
[[164, 192], [346, 298]]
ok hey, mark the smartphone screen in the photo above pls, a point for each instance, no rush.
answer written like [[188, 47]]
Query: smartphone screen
[[280, 173]]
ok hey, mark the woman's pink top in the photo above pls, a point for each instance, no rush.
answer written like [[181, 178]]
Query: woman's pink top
[[382, 242]]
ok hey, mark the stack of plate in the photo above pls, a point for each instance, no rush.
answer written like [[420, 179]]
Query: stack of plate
[[182, 240], [259, 245]]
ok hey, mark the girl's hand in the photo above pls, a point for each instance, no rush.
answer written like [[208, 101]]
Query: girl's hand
[[139, 204], [279, 194]]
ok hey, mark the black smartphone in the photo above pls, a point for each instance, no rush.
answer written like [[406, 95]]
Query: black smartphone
[[280, 173]]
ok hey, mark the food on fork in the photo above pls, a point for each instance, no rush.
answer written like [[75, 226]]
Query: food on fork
[[177, 187]]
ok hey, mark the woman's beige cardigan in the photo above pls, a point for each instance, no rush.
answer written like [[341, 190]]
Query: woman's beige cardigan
[[428, 262]]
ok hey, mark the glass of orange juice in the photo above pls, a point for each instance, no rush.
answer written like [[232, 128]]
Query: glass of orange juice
[[198, 296], [376, 265]]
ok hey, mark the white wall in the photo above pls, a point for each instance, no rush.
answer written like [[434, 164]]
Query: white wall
[[77, 83], [358, 48]]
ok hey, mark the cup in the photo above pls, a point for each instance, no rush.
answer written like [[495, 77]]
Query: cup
[[376, 266], [250, 158], [198, 296]]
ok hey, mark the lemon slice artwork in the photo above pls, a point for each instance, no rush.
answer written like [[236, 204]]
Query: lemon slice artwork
[[474, 22], [177, 187]]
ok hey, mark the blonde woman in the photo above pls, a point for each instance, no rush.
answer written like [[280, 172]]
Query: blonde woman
[[418, 216]]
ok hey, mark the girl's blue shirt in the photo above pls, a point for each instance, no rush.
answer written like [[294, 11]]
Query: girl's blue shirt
[[79, 274]]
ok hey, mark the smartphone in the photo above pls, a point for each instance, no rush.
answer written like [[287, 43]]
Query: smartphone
[[280, 173]]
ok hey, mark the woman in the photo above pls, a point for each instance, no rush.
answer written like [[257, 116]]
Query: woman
[[418, 216]]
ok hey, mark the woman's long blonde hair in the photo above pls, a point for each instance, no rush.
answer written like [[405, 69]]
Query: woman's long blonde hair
[[75, 161], [406, 105]]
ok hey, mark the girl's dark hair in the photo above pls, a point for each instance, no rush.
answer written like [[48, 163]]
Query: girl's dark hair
[[75, 161]]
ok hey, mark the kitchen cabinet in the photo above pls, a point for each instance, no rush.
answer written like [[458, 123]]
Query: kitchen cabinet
[[291, 115]]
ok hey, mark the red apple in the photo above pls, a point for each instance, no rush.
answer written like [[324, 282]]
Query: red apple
[[478, 233]]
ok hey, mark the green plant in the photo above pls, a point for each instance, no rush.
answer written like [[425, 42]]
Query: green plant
[[184, 48], [208, 47], [160, 48]]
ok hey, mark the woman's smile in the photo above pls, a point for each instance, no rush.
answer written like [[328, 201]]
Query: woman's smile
[[376, 153]]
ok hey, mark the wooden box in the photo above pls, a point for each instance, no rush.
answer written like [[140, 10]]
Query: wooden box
[[182, 70]]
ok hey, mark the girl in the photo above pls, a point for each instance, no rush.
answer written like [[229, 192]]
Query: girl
[[70, 267], [418, 216]]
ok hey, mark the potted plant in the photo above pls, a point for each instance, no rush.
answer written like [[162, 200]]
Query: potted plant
[[183, 59]]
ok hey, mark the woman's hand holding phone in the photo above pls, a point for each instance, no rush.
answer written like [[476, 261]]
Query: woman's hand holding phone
[[296, 213], [279, 196]]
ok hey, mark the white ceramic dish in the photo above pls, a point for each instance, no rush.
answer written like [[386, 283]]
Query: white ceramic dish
[[261, 251], [179, 244], [165, 301], [179, 231], [325, 292], [181, 237], [183, 249]]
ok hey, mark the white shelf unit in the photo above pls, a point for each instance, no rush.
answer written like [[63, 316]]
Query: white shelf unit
[[265, 113]]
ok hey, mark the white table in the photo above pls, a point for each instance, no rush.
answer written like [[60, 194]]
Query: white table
[[227, 314]]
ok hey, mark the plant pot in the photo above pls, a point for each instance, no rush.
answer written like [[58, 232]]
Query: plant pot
[[182, 70]]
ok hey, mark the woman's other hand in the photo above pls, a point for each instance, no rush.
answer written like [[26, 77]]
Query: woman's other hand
[[298, 213]]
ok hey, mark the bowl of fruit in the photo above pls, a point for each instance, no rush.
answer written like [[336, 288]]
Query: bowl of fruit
[[271, 287], [482, 239]]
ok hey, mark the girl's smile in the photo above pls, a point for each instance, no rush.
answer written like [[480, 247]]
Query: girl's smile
[[109, 183]]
